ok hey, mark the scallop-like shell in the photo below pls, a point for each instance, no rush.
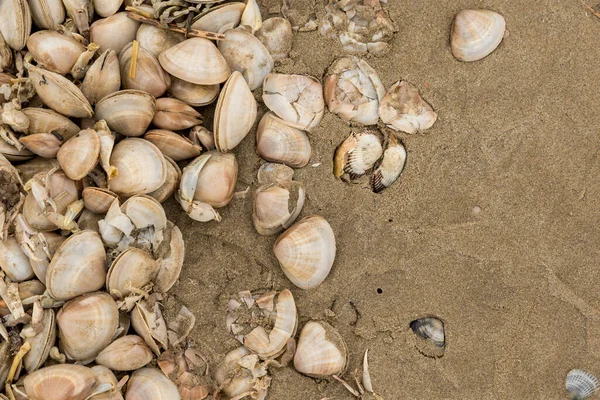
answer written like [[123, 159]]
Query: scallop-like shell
[[403, 109], [103, 77], [151, 384], [357, 154], [276, 35], [133, 268], [220, 18], [279, 142], [476, 33], [128, 112], [235, 113], [581, 384], [175, 115], [277, 207], [47, 14], [43, 120], [98, 200], [195, 60], [306, 251], [192, 94], [60, 382], [173, 145], [15, 22], [156, 40], [41, 343], [86, 325], [392, 164], [54, 51], [149, 76], [246, 54], [79, 155], [297, 99], [113, 32], [13, 262], [60, 94], [78, 266], [321, 351], [127, 353]]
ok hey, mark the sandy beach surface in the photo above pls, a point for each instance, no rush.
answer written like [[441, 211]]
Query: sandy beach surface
[[493, 226]]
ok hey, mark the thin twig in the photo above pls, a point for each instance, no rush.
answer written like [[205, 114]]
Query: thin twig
[[134, 14], [590, 8]]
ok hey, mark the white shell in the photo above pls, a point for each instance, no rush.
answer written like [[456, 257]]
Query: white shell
[[321, 351], [476, 33], [113, 32], [15, 22], [306, 251], [128, 112], [394, 158], [277, 207], [581, 384], [79, 155], [216, 182], [13, 262], [220, 18], [357, 154], [41, 343], [54, 51], [403, 109], [276, 35], [156, 40], [127, 353], [151, 384], [134, 267], [60, 382], [103, 77], [276, 141]]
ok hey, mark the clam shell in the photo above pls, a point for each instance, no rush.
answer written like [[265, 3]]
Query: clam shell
[[151, 384], [54, 51], [41, 343], [195, 60], [173, 176], [172, 145], [86, 325], [233, 379], [13, 262], [581, 384], [276, 35], [171, 252], [98, 200], [149, 75], [132, 268], [47, 14], [357, 154], [113, 32], [78, 266], [60, 382], [42, 144], [297, 99], [216, 181], [220, 18], [80, 154], [429, 328], [276, 208], [175, 115], [128, 112], [321, 351], [403, 109], [144, 212], [106, 378], [306, 251], [60, 94], [42, 120], [15, 22], [150, 325], [156, 40], [106, 8], [476, 33], [127, 353], [246, 54], [192, 94], [235, 113], [103, 77], [276, 141], [392, 165]]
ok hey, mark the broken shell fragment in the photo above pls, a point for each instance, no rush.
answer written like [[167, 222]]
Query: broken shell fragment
[[476, 33], [175, 115], [41, 343], [128, 112], [321, 351], [581, 384], [403, 109], [391, 166], [276, 35], [79, 155], [60, 382], [357, 154], [431, 340], [277, 141], [127, 353], [297, 99], [306, 251], [171, 253]]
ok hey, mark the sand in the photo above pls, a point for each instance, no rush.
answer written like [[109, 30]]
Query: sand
[[515, 283]]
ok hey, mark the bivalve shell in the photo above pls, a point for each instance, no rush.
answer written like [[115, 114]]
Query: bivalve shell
[[47, 14], [277, 207], [106, 8], [60, 382], [321, 351], [98, 200], [357, 154], [133, 268], [403, 109], [128, 112], [172, 145], [15, 23], [391, 166], [41, 343], [54, 51], [149, 75], [216, 181], [192, 94], [279, 142], [103, 77], [175, 115], [220, 18], [127, 353], [476, 33], [276, 35], [42, 120], [151, 384], [156, 40], [13, 262], [113, 32], [581, 384], [79, 155]]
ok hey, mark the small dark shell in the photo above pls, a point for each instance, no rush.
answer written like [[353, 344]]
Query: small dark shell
[[431, 340]]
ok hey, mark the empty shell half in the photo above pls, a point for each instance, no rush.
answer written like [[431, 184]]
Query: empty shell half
[[60, 382], [276, 35], [321, 351], [581, 384], [306, 251], [430, 336], [277, 141], [128, 112], [403, 109], [127, 353], [276, 207], [357, 154], [476, 33], [391, 166]]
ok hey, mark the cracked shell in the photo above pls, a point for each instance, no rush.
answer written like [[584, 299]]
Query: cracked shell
[[277, 141], [276, 207], [403, 109]]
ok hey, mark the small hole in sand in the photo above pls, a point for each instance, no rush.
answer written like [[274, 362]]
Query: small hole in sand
[[390, 220], [379, 290]]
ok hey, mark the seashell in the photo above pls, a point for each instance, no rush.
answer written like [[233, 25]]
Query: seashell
[[192, 94], [13, 262], [403, 109], [175, 115], [89, 221], [42, 144], [278, 142], [133, 268], [357, 154], [306, 251], [581, 384], [151, 384], [35, 166], [125, 354], [40, 265], [41, 343], [353, 90], [11, 153], [106, 8], [431, 340], [251, 18], [141, 167], [195, 60], [216, 180], [148, 75], [149, 323], [58, 93], [172, 145], [199, 135], [274, 174], [106, 379], [297, 99], [47, 14], [128, 112], [232, 377], [246, 54], [77, 267], [114, 32], [392, 165], [156, 40], [15, 23], [321, 351], [60, 382], [276, 35], [277, 207], [98, 200], [171, 252], [173, 177], [54, 51], [235, 113], [476, 33], [86, 325], [145, 212], [80, 13], [42, 120], [79, 155], [220, 18], [103, 77]]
